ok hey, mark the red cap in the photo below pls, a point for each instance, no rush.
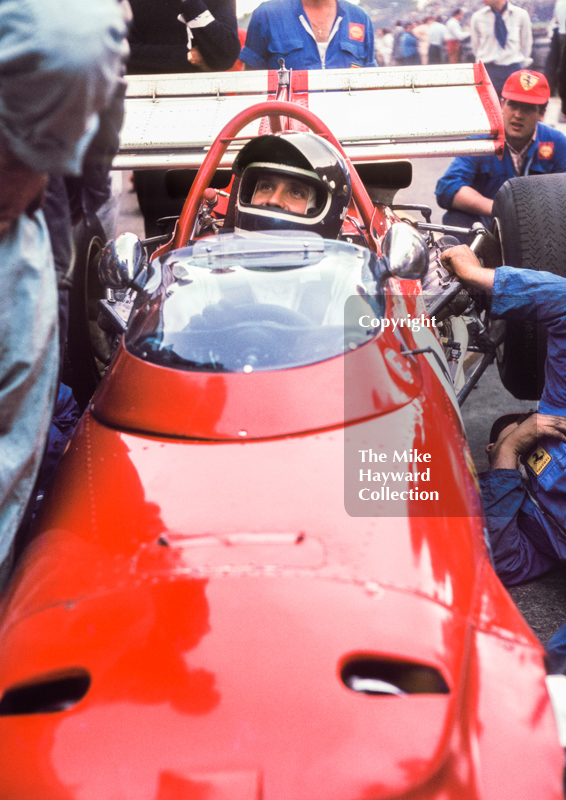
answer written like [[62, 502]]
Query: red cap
[[526, 86]]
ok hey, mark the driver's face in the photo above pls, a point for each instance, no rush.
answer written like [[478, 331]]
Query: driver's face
[[279, 191]]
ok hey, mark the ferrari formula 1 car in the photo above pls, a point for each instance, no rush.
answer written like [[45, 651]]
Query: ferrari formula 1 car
[[261, 571]]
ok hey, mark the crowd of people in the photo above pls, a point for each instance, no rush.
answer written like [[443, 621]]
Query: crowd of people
[[498, 33], [56, 150]]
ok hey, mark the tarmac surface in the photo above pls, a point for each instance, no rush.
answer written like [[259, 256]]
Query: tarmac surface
[[542, 601]]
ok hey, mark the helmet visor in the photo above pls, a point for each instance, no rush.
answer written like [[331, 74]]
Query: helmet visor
[[283, 191]]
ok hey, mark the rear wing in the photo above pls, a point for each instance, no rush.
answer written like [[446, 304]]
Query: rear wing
[[376, 113]]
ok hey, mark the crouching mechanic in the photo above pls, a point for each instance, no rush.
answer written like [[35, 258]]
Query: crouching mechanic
[[526, 521], [468, 187], [292, 181]]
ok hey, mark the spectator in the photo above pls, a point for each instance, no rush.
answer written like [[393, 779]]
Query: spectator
[[203, 37], [59, 66], [526, 521], [454, 36], [409, 45], [557, 35], [437, 34], [397, 33], [384, 47], [421, 32], [559, 19], [470, 184], [502, 38], [312, 34]]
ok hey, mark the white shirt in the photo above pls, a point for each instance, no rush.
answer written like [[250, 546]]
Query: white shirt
[[454, 30], [384, 47], [437, 34], [559, 16], [519, 36]]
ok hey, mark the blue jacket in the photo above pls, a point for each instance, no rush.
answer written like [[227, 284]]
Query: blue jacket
[[487, 174], [280, 29], [527, 524], [409, 44]]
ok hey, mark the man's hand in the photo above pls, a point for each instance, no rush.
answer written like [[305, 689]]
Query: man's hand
[[466, 266], [522, 439], [194, 57], [21, 191]]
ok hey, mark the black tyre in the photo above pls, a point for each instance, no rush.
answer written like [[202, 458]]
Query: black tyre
[[88, 349], [529, 215]]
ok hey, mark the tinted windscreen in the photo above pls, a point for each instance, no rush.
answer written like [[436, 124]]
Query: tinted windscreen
[[248, 302]]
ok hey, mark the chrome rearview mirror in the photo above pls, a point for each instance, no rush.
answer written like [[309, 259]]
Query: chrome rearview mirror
[[405, 251], [122, 263]]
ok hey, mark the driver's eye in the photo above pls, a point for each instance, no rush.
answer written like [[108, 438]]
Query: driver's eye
[[264, 186], [299, 192]]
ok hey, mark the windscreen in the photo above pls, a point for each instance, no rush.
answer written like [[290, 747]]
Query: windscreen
[[245, 302]]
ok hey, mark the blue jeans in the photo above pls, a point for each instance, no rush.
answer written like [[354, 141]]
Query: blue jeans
[[499, 74], [556, 650]]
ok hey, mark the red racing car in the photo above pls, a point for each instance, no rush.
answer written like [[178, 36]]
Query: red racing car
[[261, 572]]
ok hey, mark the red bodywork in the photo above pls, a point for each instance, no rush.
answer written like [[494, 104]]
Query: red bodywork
[[195, 566]]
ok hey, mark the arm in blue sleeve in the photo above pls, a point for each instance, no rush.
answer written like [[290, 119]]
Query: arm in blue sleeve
[[559, 159], [461, 172], [255, 54], [370, 60], [539, 297], [528, 294], [514, 523]]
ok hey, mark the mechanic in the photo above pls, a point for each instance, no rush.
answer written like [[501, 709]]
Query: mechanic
[[292, 181], [470, 183], [312, 34], [189, 36], [168, 37], [526, 522], [502, 38], [69, 199], [556, 650], [59, 65]]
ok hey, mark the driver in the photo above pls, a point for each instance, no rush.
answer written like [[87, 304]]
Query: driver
[[277, 191], [292, 181]]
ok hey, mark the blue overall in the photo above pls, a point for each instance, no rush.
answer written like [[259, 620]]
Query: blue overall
[[280, 29], [527, 525]]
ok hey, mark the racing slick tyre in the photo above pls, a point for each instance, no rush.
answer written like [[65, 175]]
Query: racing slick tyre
[[528, 220], [88, 351]]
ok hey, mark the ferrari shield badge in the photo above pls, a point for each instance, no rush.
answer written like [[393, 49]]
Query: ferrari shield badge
[[528, 81], [538, 460]]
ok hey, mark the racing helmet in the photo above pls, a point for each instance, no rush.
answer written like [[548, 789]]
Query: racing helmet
[[297, 157]]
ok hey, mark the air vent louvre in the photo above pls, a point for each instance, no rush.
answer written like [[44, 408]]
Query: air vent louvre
[[45, 695], [375, 676]]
